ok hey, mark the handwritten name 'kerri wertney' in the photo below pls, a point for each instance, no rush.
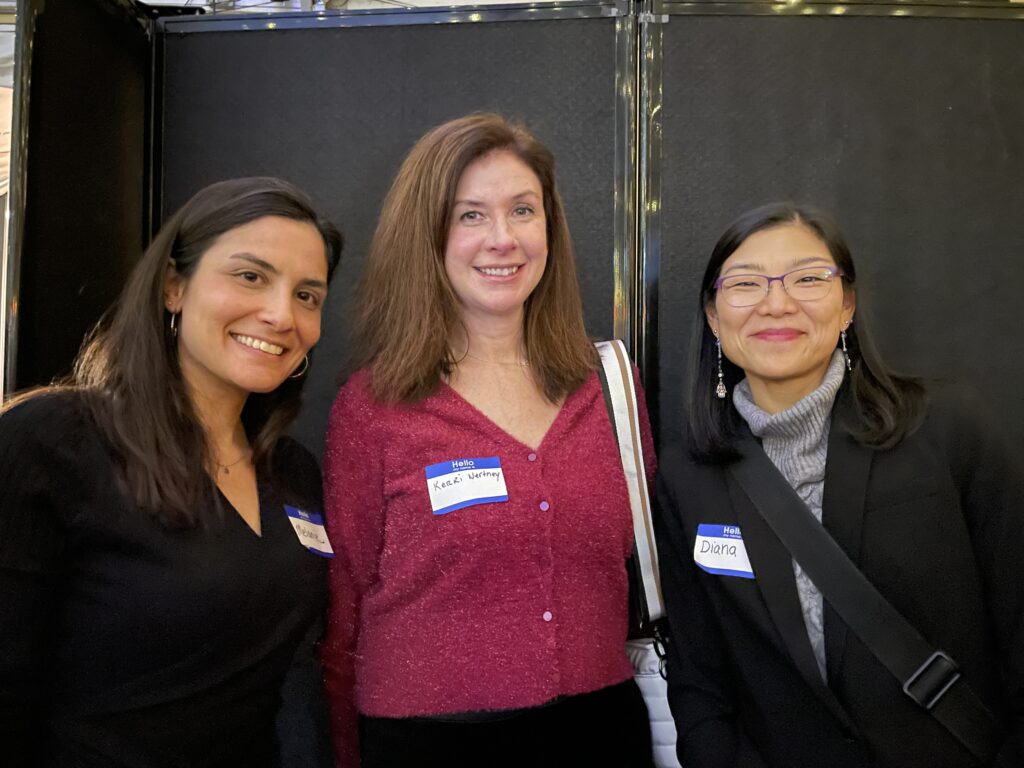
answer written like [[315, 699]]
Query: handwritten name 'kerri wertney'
[[483, 474]]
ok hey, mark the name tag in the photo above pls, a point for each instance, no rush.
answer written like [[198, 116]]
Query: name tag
[[309, 527], [464, 482], [719, 549]]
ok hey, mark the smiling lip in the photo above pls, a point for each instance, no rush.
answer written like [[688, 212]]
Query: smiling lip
[[258, 344], [777, 334], [499, 273]]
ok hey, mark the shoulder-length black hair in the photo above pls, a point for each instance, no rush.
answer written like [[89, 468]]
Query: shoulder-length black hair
[[128, 371], [888, 406]]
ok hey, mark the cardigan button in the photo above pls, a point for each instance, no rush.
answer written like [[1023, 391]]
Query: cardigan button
[[544, 506], [531, 457], [547, 616]]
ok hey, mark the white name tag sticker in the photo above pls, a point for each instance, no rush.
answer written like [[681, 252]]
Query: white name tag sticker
[[464, 482], [719, 549], [309, 527]]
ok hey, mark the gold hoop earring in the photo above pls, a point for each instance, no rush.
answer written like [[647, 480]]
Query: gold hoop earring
[[305, 367]]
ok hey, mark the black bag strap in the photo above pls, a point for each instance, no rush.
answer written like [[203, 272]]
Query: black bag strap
[[928, 676]]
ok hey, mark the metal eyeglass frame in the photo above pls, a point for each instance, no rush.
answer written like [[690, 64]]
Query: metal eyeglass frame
[[833, 271]]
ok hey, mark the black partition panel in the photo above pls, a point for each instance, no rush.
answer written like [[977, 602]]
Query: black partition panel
[[335, 110], [83, 150], [910, 130]]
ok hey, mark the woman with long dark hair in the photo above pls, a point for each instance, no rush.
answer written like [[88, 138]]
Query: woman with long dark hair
[[478, 610], [159, 549], [814, 479]]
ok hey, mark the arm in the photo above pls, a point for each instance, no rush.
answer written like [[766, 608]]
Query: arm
[[989, 473], [31, 543], [699, 691], [354, 507]]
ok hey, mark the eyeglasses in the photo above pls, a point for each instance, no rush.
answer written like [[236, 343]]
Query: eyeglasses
[[804, 284]]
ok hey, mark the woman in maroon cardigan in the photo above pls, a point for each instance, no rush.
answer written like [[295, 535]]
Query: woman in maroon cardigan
[[474, 491]]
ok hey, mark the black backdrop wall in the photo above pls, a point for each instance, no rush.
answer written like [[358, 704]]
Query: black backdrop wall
[[910, 130], [335, 111], [81, 229], [905, 120]]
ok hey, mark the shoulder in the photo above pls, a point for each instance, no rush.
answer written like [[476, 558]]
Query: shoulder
[[356, 406], [296, 471], [51, 455], [290, 456], [954, 414], [54, 419], [355, 400], [681, 477], [960, 420], [47, 407]]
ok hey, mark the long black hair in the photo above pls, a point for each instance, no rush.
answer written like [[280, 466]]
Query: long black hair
[[888, 406], [128, 371]]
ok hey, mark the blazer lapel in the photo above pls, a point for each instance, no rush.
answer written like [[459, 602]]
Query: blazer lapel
[[757, 484], [846, 479]]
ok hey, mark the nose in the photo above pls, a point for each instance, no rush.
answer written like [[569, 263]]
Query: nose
[[278, 311], [777, 300], [501, 236]]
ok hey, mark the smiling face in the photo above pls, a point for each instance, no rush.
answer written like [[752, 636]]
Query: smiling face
[[497, 237], [251, 309], [784, 346]]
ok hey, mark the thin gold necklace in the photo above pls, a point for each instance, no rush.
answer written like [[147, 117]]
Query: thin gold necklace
[[520, 363], [226, 468]]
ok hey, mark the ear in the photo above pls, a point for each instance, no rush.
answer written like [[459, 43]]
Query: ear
[[712, 317], [174, 288], [849, 305]]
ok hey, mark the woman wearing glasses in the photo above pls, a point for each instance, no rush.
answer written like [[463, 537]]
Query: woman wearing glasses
[[794, 424]]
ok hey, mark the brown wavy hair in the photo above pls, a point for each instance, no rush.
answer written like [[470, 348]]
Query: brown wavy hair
[[128, 376], [406, 309]]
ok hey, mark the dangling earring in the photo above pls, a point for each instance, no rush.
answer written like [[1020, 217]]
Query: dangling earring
[[302, 371], [174, 325], [842, 336], [720, 390]]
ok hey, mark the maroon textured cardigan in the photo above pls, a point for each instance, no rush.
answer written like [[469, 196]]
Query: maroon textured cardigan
[[494, 606]]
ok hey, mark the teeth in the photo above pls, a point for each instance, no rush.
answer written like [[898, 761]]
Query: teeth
[[499, 271], [262, 346]]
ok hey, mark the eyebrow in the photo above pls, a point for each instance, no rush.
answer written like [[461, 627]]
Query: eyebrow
[[266, 265], [753, 266], [526, 193]]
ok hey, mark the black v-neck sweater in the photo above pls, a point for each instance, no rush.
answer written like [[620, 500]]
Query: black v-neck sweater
[[123, 643]]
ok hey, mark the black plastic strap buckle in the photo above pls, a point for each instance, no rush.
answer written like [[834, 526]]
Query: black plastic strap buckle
[[932, 679], [660, 650]]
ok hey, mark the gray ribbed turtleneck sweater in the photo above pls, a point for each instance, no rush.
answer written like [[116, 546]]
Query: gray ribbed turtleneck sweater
[[796, 441]]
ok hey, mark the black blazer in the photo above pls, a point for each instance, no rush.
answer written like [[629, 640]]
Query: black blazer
[[936, 523]]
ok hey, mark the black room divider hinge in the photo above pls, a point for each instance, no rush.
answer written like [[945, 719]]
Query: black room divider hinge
[[621, 8], [640, 9], [159, 11], [647, 12]]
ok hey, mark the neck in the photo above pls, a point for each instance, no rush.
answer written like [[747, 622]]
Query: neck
[[776, 396], [222, 421], [496, 340]]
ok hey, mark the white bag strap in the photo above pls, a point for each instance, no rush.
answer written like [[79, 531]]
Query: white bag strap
[[619, 376]]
